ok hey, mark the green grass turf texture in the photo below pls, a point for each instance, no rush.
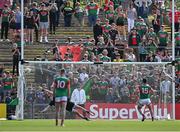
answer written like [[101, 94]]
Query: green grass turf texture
[[94, 125]]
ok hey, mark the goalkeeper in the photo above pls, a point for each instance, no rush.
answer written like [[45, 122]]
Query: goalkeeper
[[71, 107]]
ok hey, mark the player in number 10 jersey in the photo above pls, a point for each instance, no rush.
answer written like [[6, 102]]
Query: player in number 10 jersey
[[61, 87], [144, 98]]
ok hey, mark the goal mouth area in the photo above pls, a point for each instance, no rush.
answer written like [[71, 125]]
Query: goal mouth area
[[98, 79]]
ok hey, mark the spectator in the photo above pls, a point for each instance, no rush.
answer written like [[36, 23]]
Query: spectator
[[83, 76], [139, 3], [134, 40], [69, 41], [18, 18], [114, 81], [110, 14], [97, 31], [79, 14], [85, 58], [131, 17], [107, 4], [53, 17], [87, 42], [59, 4], [151, 46], [156, 21], [158, 56], [143, 10], [143, 50], [105, 58], [103, 86], [35, 11], [129, 55], [110, 98], [30, 19], [166, 57], [151, 35], [118, 58], [12, 24], [113, 33], [176, 19], [5, 23], [7, 83], [67, 57], [67, 13], [43, 22], [177, 42], [106, 29], [16, 57], [142, 28], [163, 38], [92, 10], [120, 22]]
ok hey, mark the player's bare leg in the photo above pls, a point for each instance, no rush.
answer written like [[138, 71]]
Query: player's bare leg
[[63, 112], [150, 109], [57, 112], [139, 109], [85, 110], [80, 115], [45, 109]]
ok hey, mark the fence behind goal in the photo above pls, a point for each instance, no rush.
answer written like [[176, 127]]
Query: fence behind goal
[[111, 88]]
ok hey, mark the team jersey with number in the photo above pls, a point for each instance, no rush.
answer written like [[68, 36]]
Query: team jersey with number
[[61, 86], [144, 91]]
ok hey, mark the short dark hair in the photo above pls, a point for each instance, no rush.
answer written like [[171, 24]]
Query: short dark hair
[[144, 80], [62, 71]]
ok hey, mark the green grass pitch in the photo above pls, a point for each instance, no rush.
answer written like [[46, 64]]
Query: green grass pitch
[[94, 125]]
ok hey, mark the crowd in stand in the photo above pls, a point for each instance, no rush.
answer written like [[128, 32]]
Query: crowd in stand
[[145, 38]]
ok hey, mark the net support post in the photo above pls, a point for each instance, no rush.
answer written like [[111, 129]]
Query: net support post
[[173, 58]]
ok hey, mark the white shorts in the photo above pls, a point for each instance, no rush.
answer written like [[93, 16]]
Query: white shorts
[[61, 99], [144, 102], [43, 25]]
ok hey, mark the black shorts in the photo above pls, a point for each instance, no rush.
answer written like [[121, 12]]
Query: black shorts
[[70, 106], [52, 103]]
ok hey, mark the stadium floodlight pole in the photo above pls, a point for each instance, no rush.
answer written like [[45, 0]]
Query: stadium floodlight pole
[[173, 58]]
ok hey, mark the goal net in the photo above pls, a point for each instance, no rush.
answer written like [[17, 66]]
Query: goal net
[[111, 88]]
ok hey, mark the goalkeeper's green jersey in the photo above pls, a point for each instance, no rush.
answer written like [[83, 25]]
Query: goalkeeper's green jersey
[[62, 85], [144, 91]]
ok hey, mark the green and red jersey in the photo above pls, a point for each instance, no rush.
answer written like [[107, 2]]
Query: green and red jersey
[[106, 28], [92, 9], [5, 16], [7, 83], [110, 14], [144, 91], [177, 38], [62, 84], [103, 85], [43, 15], [151, 35], [163, 36], [105, 59]]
